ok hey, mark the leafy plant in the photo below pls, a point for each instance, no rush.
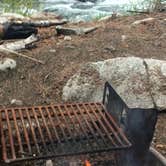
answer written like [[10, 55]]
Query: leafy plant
[[19, 6], [151, 5]]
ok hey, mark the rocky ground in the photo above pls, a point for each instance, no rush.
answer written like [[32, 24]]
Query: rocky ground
[[37, 84]]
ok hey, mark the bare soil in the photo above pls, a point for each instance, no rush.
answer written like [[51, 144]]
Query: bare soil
[[37, 84]]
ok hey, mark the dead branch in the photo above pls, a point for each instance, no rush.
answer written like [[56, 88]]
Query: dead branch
[[140, 12], [18, 45], [40, 23], [21, 44], [5, 50]]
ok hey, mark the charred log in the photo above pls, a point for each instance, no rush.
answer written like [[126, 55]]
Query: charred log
[[19, 32]]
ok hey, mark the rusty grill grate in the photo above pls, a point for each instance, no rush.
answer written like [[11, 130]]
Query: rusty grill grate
[[58, 130]]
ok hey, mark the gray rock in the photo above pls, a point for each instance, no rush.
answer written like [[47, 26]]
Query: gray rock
[[16, 102], [68, 38], [7, 64], [49, 163], [140, 82]]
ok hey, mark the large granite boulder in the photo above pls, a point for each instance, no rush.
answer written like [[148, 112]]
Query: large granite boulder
[[140, 82]]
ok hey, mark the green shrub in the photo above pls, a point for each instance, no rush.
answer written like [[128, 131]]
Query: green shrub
[[151, 5], [19, 6]]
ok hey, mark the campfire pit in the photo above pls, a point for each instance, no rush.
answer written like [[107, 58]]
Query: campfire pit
[[42, 132], [116, 133]]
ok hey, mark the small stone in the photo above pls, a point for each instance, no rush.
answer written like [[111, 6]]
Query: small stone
[[163, 36], [49, 163], [52, 51], [7, 64], [73, 163], [160, 146], [16, 102], [109, 48], [123, 38], [68, 38], [22, 77]]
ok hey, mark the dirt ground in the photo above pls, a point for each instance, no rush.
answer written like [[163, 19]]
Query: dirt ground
[[37, 84]]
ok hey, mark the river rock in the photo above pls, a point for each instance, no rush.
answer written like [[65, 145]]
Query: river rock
[[140, 82]]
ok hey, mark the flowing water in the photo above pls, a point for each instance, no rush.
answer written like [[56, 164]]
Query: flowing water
[[76, 10], [84, 10]]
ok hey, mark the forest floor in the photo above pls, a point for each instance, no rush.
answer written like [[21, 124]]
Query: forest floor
[[37, 84]]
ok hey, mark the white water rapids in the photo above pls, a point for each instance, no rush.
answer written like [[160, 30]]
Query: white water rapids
[[76, 10]]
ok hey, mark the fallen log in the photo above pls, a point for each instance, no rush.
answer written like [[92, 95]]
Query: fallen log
[[143, 21], [10, 31], [19, 45], [35, 23], [20, 29], [74, 30], [5, 50], [41, 23]]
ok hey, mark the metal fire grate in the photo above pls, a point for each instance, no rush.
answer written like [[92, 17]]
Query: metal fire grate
[[58, 130]]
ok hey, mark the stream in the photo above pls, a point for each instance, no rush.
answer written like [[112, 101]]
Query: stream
[[81, 10], [84, 10]]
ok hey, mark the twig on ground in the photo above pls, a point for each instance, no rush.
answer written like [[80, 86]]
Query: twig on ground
[[20, 54]]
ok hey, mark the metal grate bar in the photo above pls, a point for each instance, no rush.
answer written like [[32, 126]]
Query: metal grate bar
[[60, 126], [46, 127], [25, 133], [121, 134], [52, 125], [102, 125], [10, 135], [58, 130], [17, 132], [32, 130], [109, 125], [95, 125], [4, 149], [79, 122], [91, 130]]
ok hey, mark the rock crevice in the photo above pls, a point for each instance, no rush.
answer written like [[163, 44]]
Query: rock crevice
[[149, 82]]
